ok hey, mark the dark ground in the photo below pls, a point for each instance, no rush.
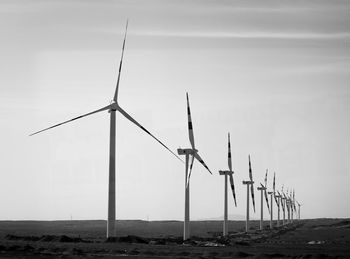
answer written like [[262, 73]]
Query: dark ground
[[316, 238]]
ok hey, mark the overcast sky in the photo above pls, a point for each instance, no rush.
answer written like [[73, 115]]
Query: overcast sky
[[275, 74]]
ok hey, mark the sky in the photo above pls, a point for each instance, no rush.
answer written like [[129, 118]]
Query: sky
[[275, 74]]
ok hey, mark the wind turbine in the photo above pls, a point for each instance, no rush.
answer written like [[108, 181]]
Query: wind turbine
[[299, 205], [276, 200], [283, 202], [272, 194], [295, 209], [279, 202], [292, 198], [193, 152], [262, 189], [112, 108], [251, 184], [228, 173], [288, 205]]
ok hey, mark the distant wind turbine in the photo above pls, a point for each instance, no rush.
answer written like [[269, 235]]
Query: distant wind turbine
[[279, 205], [277, 200], [271, 202], [193, 152], [226, 173], [299, 205], [262, 189], [288, 203], [283, 203], [250, 184], [112, 108], [294, 207], [292, 201]]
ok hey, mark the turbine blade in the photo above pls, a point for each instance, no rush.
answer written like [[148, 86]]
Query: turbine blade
[[250, 170], [190, 126], [126, 115], [274, 176], [267, 200], [266, 178], [79, 117], [285, 197], [201, 161], [251, 179], [295, 208], [293, 195], [233, 189], [120, 65], [189, 175], [253, 199], [276, 200], [229, 153]]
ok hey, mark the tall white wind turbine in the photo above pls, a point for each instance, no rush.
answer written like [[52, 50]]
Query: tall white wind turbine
[[250, 184], [193, 153], [228, 173], [112, 109], [262, 189]]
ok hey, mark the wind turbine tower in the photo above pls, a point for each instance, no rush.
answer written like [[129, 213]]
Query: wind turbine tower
[[112, 108], [230, 174], [250, 184], [193, 153], [262, 189]]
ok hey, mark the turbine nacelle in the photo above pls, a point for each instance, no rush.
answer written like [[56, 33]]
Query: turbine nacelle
[[261, 188], [185, 151], [227, 172], [113, 106]]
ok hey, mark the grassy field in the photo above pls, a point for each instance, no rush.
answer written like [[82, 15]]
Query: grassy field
[[97, 228], [326, 238]]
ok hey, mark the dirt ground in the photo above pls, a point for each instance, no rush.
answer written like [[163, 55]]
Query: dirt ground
[[316, 238]]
